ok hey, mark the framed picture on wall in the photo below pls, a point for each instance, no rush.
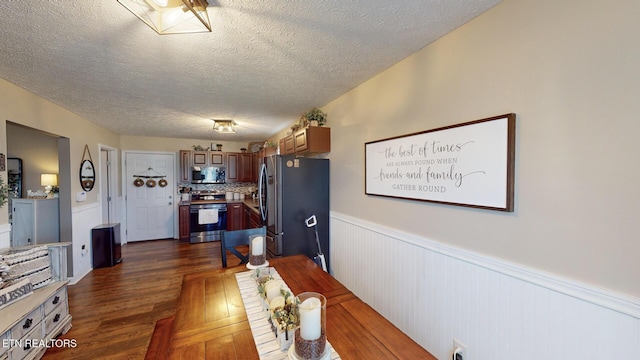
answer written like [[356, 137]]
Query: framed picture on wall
[[469, 164]]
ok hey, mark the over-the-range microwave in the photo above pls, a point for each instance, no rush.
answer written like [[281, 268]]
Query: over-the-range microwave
[[207, 175]]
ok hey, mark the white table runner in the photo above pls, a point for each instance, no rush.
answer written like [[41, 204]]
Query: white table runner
[[265, 339]]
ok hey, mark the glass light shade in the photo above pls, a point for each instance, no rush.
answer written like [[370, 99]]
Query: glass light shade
[[49, 179], [171, 16], [224, 126]]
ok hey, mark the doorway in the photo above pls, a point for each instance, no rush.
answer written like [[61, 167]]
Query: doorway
[[108, 175], [149, 182]]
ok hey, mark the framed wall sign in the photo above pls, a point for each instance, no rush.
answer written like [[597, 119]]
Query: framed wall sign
[[469, 164]]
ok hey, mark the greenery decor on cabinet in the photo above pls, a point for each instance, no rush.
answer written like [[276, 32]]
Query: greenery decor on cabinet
[[314, 115]]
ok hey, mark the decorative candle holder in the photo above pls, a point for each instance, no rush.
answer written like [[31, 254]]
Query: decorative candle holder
[[311, 337], [261, 272], [284, 318], [257, 250], [261, 282]]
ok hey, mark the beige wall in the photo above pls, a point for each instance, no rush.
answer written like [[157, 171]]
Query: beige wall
[[148, 143], [38, 151], [22, 107], [569, 70]]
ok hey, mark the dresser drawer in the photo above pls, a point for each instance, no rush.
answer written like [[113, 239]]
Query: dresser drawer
[[27, 324], [3, 350], [57, 316], [29, 344], [56, 299]]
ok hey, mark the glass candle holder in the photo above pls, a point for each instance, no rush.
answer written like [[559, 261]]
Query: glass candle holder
[[311, 337], [257, 250], [261, 272]]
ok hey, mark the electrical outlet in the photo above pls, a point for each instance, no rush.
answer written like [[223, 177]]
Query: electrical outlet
[[459, 350]]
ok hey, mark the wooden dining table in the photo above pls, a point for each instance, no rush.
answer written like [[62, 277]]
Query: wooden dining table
[[211, 322]]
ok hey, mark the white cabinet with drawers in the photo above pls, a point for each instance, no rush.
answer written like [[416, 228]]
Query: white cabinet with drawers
[[29, 325]]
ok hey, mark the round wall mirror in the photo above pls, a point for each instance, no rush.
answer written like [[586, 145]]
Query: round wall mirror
[[87, 175]]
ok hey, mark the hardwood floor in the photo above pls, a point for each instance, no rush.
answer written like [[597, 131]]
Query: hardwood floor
[[115, 309]]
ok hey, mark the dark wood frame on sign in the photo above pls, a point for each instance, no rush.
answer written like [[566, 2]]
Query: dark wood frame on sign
[[470, 164]]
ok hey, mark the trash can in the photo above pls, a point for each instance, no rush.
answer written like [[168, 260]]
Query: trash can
[[105, 242]]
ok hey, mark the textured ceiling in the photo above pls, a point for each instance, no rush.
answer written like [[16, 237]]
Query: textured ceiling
[[264, 64]]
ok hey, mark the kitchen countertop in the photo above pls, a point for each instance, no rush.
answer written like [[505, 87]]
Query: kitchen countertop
[[251, 203]]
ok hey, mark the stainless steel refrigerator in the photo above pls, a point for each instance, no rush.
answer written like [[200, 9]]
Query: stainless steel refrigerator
[[290, 191]]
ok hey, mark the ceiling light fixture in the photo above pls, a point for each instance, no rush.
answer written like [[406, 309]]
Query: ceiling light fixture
[[171, 16], [224, 126]]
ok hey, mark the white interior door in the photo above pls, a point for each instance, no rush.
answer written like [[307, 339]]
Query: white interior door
[[150, 207]]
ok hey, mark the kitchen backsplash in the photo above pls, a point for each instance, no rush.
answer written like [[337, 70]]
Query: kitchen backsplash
[[240, 187]]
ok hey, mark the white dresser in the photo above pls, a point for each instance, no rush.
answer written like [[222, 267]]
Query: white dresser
[[34, 221], [30, 325]]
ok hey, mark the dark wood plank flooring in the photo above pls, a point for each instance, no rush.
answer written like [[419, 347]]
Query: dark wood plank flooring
[[115, 309]]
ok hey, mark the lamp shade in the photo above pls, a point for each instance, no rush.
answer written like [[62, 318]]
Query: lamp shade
[[171, 16], [49, 179]]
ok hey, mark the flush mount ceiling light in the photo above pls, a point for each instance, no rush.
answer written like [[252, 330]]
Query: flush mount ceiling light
[[171, 16], [224, 126]]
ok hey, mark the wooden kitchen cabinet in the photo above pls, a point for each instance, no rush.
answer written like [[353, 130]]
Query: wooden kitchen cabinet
[[246, 163], [289, 145], [216, 158], [235, 216], [313, 139], [183, 223], [200, 158], [232, 166], [185, 165], [309, 140], [240, 167], [253, 219]]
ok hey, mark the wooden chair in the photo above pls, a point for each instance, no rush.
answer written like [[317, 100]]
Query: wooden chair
[[230, 239]]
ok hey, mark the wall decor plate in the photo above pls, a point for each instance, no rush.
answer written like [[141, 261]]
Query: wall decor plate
[[138, 182], [151, 183], [162, 183]]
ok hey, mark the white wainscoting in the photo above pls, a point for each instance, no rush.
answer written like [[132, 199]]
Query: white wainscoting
[[5, 236], [499, 310], [84, 219]]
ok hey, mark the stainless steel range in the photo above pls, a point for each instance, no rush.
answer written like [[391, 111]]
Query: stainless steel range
[[201, 229]]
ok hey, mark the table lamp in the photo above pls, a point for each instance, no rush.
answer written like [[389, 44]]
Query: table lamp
[[48, 181]]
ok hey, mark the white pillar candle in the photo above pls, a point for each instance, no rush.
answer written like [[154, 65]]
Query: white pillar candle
[[257, 247], [310, 312], [272, 288]]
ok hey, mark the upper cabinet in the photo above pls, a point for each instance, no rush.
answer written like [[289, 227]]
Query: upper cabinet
[[199, 158], [189, 158], [185, 165], [240, 167], [309, 140], [207, 158], [216, 158]]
